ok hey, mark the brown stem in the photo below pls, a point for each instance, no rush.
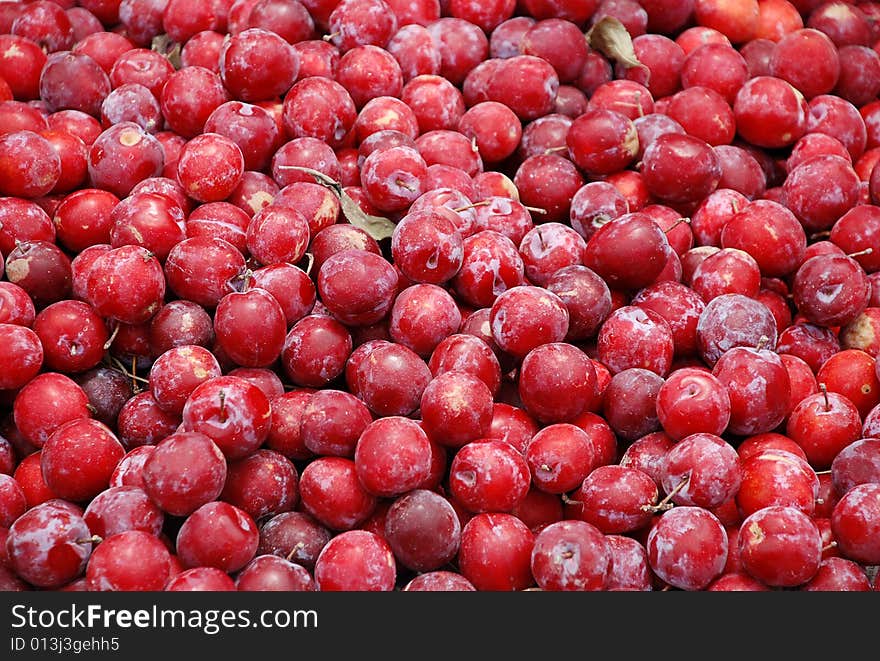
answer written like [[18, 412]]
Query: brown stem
[[824, 389], [666, 503], [222, 411], [676, 224], [94, 539], [820, 235], [536, 210], [472, 206], [246, 278], [112, 337], [861, 253], [762, 342], [298, 547], [119, 367], [568, 501], [829, 546]]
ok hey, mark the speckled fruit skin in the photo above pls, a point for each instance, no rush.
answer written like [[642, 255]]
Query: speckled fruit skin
[[439, 295]]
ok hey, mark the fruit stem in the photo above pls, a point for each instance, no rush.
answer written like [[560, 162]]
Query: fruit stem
[[310, 262], [829, 546], [222, 411], [119, 367], [861, 253], [94, 539], [666, 503], [676, 224], [297, 547], [112, 337], [472, 206], [824, 390], [568, 501], [536, 210], [762, 342], [820, 235]]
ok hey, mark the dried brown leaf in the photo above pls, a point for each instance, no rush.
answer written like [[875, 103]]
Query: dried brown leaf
[[611, 38], [376, 226]]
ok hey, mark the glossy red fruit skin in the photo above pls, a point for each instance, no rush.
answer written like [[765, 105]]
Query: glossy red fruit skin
[[629, 239], [13, 502], [687, 548], [838, 575], [489, 476], [629, 403], [444, 418], [217, 535], [185, 471], [601, 142], [770, 112], [709, 467], [556, 382], [389, 468], [122, 508], [47, 402], [439, 581], [673, 153], [236, 316], [560, 456], [636, 338], [232, 412], [25, 358], [617, 499], [831, 290], [565, 540], [764, 472], [79, 457], [780, 546], [737, 369], [331, 493], [823, 427], [423, 530], [272, 573], [339, 286], [356, 560], [49, 546], [126, 284], [692, 401], [855, 523], [129, 561], [858, 463], [491, 565]]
